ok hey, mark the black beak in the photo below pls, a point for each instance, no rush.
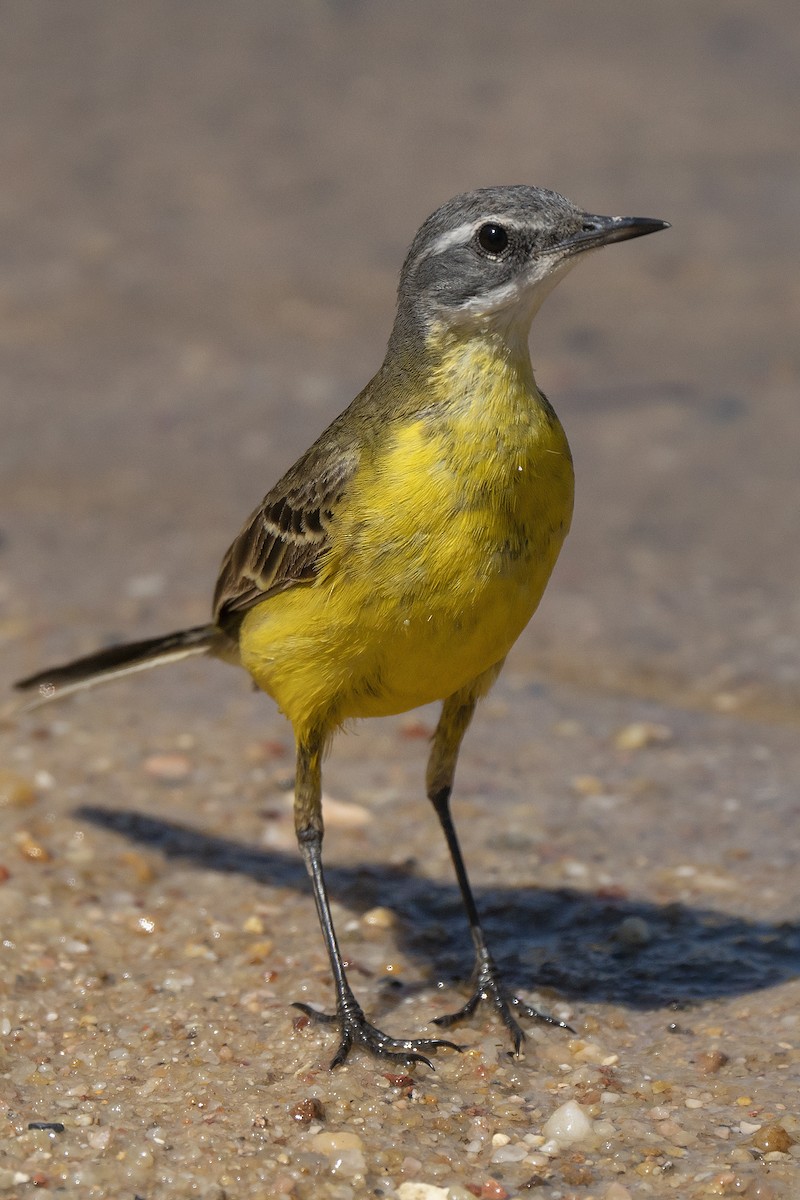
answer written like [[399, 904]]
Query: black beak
[[600, 231]]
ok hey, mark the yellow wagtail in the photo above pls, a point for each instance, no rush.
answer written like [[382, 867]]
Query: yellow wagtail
[[403, 554]]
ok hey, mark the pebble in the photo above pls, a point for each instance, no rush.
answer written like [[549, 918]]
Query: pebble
[[177, 981], [413, 1190], [712, 1061], [587, 785], [15, 790], [515, 1152], [343, 814], [307, 1111], [98, 1139], [30, 849], [617, 1191], [166, 767], [640, 734], [492, 1189], [773, 1137], [140, 867], [568, 1125], [345, 1150], [634, 931], [379, 918]]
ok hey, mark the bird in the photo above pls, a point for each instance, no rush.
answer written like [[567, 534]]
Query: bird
[[399, 559]]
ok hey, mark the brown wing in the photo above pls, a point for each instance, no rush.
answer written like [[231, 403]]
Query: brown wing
[[283, 542]]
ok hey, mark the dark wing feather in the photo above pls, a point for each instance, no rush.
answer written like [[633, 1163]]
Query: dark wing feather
[[283, 542]]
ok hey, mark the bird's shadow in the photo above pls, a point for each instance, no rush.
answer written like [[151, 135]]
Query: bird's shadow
[[581, 945]]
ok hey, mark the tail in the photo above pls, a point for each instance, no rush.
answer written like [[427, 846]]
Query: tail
[[117, 661]]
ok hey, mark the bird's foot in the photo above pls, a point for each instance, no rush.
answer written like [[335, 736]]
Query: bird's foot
[[489, 986], [356, 1030]]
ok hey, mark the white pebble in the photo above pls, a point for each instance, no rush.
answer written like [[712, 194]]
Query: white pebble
[[411, 1190], [176, 981], [344, 1150], [512, 1153], [568, 1124]]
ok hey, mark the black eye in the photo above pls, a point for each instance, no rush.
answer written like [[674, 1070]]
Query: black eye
[[492, 238]]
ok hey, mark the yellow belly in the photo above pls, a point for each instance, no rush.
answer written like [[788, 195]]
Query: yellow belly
[[440, 554]]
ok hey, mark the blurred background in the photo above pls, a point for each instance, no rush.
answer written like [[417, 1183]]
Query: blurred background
[[204, 209]]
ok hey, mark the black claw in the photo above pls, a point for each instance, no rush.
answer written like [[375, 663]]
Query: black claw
[[489, 986], [322, 1018], [356, 1030]]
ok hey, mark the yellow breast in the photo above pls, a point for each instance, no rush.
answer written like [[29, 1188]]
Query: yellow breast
[[440, 551]]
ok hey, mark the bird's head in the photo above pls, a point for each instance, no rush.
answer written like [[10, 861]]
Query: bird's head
[[487, 259]]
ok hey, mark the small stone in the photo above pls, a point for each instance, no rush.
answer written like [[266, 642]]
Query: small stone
[[634, 931], [15, 790], [379, 918], [265, 750], [98, 1139], [641, 734], [30, 849], [587, 785], [308, 1110], [344, 1150], [177, 981], [568, 1125], [167, 768], [492, 1189], [712, 1061], [343, 814], [587, 1052], [141, 867], [413, 729], [259, 952], [616, 1191], [513, 1152], [721, 1184], [403, 1082], [773, 1137], [414, 1190]]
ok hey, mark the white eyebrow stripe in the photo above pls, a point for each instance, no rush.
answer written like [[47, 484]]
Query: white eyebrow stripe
[[453, 237]]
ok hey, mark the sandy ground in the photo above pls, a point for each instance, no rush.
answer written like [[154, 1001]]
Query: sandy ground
[[204, 209]]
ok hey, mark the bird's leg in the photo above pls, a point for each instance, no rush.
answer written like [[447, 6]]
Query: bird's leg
[[354, 1028], [488, 985]]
